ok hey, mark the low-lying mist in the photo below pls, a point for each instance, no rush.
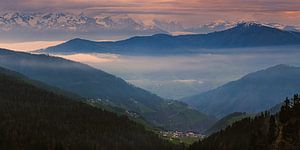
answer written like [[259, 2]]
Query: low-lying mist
[[174, 77]]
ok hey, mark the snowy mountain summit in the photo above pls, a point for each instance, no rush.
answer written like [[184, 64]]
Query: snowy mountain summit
[[68, 21], [62, 26], [27, 26]]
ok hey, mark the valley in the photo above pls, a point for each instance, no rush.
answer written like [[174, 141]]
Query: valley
[[225, 85], [175, 77]]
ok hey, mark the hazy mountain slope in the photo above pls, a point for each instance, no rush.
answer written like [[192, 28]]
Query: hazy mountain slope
[[33, 118], [96, 84], [242, 35], [41, 85], [78, 45], [265, 131], [255, 92]]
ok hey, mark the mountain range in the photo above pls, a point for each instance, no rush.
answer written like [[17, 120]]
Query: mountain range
[[252, 93], [243, 35], [62, 26], [100, 86], [65, 25]]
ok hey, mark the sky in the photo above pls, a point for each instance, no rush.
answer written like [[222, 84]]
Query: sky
[[189, 11]]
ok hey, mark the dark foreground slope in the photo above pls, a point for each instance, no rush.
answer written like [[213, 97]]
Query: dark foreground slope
[[264, 132], [95, 84], [253, 93], [33, 118]]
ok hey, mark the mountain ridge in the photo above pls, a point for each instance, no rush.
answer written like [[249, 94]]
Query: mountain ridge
[[249, 34], [64, 25], [252, 93]]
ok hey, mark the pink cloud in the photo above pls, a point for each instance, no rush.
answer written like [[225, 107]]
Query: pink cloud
[[184, 10]]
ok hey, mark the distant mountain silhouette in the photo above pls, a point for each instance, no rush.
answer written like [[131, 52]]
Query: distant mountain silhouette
[[254, 92], [242, 35], [95, 84]]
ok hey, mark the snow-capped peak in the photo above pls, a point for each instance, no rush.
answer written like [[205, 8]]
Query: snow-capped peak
[[221, 25], [68, 22], [169, 25], [214, 26], [272, 25]]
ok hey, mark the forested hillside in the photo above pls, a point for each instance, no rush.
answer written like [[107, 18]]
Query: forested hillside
[[226, 121], [264, 132], [34, 118]]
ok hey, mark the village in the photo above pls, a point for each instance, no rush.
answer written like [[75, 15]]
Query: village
[[181, 137]]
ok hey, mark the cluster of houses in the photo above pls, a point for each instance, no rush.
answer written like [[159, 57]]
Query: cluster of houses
[[179, 134]]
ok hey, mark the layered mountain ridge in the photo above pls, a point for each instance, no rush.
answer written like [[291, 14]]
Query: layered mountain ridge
[[243, 35], [252, 93]]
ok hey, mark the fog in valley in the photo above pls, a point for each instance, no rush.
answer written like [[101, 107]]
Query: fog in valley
[[174, 77]]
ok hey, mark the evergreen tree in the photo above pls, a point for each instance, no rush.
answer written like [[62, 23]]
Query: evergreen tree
[[263, 132], [272, 129]]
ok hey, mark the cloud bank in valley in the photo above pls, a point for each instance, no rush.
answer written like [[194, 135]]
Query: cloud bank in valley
[[179, 76]]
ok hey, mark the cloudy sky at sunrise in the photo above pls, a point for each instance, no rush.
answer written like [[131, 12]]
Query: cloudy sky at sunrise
[[189, 11]]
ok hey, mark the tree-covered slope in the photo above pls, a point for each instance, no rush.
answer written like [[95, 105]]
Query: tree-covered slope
[[264, 132], [34, 118], [226, 121], [237, 116], [253, 93], [95, 84]]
